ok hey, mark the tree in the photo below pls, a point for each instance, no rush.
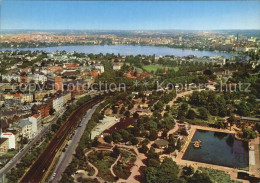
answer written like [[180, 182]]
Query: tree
[[232, 119], [178, 146], [157, 114], [208, 72], [200, 177], [127, 114], [164, 134], [95, 142], [54, 127], [249, 133], [168, 171], [158, 106], [136, 115], [181, 114], [153, 135], [134, 141], [219, 124], [152, 125], [191, 114], [143, 149], [108, 138], [150, 175], [168, 123], [25, 140], [125, 135], [184, 107], [115, 152], [182, 119], [151, 162], [222, 107], [184, 132], [188, 171], [116, 137], [243, 109], [252, 100], [203, 113]]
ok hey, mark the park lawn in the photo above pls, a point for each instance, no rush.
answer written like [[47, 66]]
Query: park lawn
[[87, 168], [103, 165], [124, 165], [150, 68], [217, 176]]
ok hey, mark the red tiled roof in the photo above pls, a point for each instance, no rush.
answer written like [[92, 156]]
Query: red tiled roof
[[17, 95], [36, 115]]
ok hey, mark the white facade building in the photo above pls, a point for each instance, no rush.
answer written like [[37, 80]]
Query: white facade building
[[36, 123], [10, 77], [11, 139], [58, 103], [100, 67], [116, 67]]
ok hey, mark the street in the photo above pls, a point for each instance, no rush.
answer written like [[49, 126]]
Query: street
[[66, 157]]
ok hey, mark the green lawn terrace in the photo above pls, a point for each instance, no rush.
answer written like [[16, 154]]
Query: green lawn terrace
[[154, 68]]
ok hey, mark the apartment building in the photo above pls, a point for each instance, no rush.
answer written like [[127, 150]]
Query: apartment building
[[26, 128]]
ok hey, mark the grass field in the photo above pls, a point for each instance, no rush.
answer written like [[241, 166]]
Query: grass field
[[150, 68]]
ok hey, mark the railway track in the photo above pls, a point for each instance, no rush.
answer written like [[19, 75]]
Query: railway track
[[40, 167]]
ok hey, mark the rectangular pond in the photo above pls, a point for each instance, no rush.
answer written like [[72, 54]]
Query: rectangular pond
[[219, 149]]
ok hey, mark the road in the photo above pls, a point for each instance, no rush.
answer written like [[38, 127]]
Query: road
[[28, 146], [66, 157], [37, 171]]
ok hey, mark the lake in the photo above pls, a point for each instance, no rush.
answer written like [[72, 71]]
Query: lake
[[127, 50], [219, 149]]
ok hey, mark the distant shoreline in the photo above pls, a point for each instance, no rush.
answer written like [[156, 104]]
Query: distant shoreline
[[125, 50], [159, 45]]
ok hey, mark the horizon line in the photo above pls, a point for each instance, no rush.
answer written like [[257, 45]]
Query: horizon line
[[225, 29]]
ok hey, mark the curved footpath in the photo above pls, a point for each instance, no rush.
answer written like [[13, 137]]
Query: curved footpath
[[95, 169], [112, 166]]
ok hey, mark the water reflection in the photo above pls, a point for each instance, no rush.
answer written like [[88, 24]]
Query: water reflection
[[230, 140], [220, 135]]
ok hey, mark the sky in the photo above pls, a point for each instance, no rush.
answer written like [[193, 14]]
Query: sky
[[129, 15]]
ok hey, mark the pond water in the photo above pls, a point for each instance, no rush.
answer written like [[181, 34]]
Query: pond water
[[219, 149]]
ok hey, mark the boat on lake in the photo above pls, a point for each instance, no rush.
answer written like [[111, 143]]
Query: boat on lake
[[197, 144]]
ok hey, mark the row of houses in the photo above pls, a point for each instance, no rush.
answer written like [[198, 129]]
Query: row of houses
[[27, 128], [30, 126]]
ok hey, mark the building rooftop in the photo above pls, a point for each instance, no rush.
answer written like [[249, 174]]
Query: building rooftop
[[161, 142], [104, 124], [24, 122]]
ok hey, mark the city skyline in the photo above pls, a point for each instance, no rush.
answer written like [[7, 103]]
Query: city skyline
[[137, 15]]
